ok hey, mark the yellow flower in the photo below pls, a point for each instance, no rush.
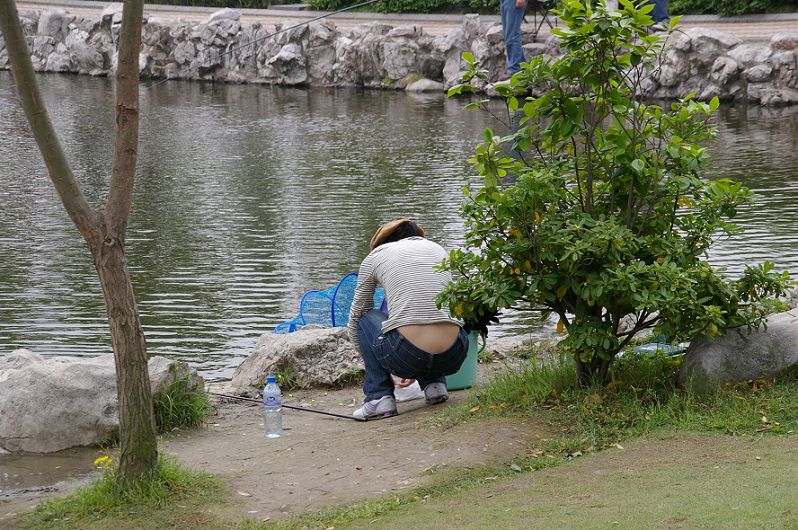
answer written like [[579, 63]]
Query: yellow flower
[[102, 462]]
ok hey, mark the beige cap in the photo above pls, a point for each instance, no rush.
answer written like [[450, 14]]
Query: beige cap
[[384, 231]]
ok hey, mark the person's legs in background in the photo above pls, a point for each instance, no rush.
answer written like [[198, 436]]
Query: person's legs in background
[[511, 17], [660, 11]]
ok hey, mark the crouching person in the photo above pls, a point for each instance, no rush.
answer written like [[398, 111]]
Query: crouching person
[[415, 340]]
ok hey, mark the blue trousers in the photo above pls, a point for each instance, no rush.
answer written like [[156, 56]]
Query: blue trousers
[[512, 17], [391, 353], [660, 11]]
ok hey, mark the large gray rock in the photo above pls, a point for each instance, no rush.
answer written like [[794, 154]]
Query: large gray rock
[[50, 404], [424, 85], [784, 41], [750, 54], [312, 357], [54, 23], [738, 356]]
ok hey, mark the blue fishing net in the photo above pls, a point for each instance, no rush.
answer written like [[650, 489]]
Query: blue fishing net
[[328, 308]]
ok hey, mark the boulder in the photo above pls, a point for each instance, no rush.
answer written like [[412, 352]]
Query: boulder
[[54, 403], [225, 14], [84, 57], [736, 355], [724, 70], [784, 41], [424, 85], [750, 54], [54, 23], [400, 58], [112, 13], [312, 357], [759, 73], [706, 45]]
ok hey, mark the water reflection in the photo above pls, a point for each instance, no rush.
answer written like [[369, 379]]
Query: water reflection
[[247, 196]]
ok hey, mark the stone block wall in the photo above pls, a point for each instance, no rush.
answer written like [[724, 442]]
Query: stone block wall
[[706, 62]]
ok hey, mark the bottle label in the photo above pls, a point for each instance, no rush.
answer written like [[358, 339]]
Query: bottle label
[[272, 401]]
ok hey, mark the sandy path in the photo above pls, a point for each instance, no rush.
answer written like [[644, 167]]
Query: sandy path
[[322, 461]]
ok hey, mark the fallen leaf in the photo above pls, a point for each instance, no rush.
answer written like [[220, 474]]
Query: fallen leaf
[[516, 468], [474, 409]]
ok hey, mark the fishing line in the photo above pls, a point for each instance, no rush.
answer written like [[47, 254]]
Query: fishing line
[[304, 409], [234, 49]]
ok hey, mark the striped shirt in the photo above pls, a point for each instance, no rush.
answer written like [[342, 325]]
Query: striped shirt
[[404, 269]]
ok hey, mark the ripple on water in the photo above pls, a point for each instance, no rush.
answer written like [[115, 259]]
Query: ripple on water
[[248, 196]]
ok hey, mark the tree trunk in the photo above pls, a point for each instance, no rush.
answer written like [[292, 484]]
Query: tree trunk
[[105, 231], [138, 447], [593, 372]]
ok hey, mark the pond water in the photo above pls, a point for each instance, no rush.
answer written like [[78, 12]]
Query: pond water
[[248, 196]]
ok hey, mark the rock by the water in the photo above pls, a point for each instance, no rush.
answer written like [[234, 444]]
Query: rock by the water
[[696, 60], [738, 356], [312, 357], [49, 404], [424, 85], [784, 41]]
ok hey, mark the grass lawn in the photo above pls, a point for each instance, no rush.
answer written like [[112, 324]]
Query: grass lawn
[[680, 480]]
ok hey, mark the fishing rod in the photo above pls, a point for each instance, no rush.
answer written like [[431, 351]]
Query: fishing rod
[[229, 396], [250, 43]]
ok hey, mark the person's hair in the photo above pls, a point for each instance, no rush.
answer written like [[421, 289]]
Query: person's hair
[[395, 231]]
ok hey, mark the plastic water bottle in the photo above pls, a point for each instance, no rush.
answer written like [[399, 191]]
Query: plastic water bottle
[[272, 408]]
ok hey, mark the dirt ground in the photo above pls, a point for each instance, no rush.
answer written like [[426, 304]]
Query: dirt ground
[[319, 462], [322, 461]]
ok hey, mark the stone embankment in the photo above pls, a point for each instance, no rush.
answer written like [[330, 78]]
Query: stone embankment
[[377, 55]]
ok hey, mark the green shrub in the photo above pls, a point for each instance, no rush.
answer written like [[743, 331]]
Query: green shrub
[[179, 406], [603, 217]]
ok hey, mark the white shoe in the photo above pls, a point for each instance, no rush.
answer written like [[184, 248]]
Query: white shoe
[[385, 407], [436, 393]]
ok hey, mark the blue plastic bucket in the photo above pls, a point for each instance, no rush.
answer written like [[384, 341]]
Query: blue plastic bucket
[[466, 377]]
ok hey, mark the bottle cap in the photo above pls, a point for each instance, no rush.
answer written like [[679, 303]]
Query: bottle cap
[[271, 378]]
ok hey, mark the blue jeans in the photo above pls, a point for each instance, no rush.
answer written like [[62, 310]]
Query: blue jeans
[[511, 26], [660, 11], [391, 353]]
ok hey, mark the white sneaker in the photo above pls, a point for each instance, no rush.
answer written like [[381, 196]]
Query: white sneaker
[[436, 393], [385, 407]]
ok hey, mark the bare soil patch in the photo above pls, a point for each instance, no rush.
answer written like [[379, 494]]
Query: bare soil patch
[[322, 461]]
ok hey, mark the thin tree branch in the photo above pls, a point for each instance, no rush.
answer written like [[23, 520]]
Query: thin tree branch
[[120, 191]]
